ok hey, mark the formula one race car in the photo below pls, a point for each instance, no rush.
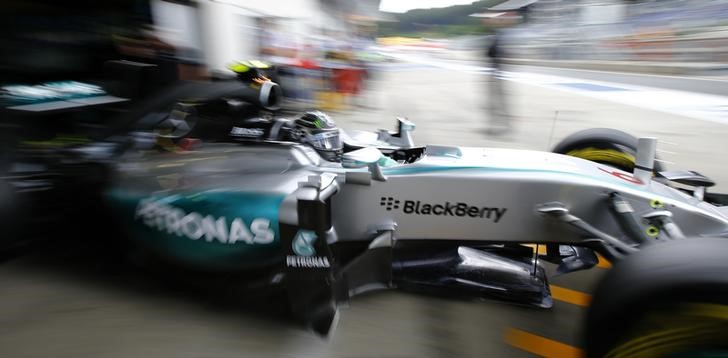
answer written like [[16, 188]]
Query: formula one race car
[[446, 220], [450, 220]]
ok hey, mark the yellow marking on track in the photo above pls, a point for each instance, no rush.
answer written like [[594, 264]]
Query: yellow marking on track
[[603, 263], [570, 296], [541, 248], [540, 346]]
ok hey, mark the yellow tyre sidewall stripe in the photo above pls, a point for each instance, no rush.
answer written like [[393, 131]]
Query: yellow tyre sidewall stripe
[[603, 155]]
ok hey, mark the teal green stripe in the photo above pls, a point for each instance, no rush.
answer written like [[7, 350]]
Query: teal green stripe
[[434, 169]]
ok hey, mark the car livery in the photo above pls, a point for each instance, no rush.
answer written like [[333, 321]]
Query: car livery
[[223, 229]]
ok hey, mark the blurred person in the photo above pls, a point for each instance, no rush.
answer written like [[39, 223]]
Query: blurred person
[[309, 71], [499, 118], [276, 44], [292, 58], [46, 40], [140, 44], [143, 44], [364, 59]]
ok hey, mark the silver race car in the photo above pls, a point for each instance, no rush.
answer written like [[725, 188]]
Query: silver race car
[[385, 213]]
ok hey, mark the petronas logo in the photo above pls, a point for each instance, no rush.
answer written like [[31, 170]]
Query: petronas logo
[[303, 243]]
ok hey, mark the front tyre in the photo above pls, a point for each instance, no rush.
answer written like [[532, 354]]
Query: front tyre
[[669, 299], [602, 145]]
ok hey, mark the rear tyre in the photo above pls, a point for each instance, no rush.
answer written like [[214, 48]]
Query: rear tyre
[[602, 145], [669, 299]]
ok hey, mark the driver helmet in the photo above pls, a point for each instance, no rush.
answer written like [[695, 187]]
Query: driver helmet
[[319, 131]]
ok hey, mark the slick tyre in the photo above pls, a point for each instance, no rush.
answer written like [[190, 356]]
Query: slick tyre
[[669, 299], [602, 145]]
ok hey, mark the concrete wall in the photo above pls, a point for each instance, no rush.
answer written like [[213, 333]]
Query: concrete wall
[[598, 12], [229, 27]]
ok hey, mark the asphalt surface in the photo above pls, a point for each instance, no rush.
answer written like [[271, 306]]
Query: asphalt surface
[[73, 304], [703, 84]]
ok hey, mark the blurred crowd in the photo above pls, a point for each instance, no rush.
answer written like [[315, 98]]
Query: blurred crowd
[[329, 70]]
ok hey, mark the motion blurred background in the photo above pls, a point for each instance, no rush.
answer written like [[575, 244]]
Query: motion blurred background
[[650, 68]]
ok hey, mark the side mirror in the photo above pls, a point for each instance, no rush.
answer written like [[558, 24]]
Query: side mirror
[[365, 157]]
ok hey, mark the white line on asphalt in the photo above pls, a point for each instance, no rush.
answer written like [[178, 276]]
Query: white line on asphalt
[[707, 107], [632, 73]]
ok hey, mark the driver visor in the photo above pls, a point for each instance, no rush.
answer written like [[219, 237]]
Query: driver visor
[[325, 140]]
